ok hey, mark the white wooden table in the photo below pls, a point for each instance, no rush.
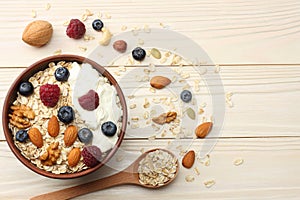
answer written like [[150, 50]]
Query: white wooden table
[[255, 43]]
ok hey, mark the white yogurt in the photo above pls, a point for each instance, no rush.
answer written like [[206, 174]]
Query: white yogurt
[[84, 78]]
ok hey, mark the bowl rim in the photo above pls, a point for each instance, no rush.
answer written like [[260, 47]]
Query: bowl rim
[[41, 64]]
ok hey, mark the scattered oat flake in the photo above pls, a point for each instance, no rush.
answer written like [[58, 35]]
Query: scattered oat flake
[[88, 37], [119, 158], [238, 162], [163, 60], [84, 17], [123, 28], [151, 138], [209, 183], [135, 126], [162, 25], [66, 23], [135, 119], [132, 106], [189, 178], [88, 12], [140, 41], [146, 103], [131, 97], [217, 68], [82, 48], [33, 13], [197, 172], [48, 6], [108, 16], [117, 73], [153, 90], [57, 52], [147, 29], [201, 111]]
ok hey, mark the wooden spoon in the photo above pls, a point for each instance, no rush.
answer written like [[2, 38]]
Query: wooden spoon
[[127, 176]]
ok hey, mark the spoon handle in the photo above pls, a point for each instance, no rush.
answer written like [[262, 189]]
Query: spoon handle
[[114, 180]]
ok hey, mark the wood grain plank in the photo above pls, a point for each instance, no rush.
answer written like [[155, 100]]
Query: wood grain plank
[[229, 31], [264, 98], [268, 172]]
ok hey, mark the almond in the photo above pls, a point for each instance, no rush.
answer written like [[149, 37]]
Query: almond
[[74, 157], [203, 129], [53, 126], [70, 135], [159, 82], [35, 137], [188, 159], [37, 33]]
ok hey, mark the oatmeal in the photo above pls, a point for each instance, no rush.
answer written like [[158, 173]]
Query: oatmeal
[[49, 126], [157, 168]]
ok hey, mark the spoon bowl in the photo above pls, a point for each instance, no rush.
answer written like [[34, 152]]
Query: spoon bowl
[[129, 175]]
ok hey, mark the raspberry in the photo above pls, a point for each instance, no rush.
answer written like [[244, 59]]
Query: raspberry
[[91, 155], [75, 29], [49, 94], [89, 101]]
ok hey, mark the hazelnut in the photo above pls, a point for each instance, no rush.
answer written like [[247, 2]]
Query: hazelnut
[[120, 46]]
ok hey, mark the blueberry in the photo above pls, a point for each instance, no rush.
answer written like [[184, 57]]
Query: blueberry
[[22, 135], [109, 128], [62, 74], [186, 96], [85, 135], [97, 25], [65, 114], [138, 53], [26, 88]]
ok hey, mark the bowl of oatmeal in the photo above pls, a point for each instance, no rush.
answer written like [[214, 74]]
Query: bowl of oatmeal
[[64, 116]]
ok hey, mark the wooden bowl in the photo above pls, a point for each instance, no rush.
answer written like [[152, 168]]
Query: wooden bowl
[[11, 97]]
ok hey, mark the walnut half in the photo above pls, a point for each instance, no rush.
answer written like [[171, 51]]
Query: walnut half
[[165, 118], [20, 112]]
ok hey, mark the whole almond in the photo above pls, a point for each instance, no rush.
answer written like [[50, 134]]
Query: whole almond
[[70, 135], [37, 33], [203, 129], [74, 157], [53, 126], [159, 82], [36, 137], [188, 159]]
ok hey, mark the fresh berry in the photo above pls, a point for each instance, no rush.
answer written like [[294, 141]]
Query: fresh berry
[[138, 54], [26, 88], [61, 74], [66, 114], [22, 135], [76, 29], [49, 94], [109, 128], [89, 101], [97, 25], [85, 135], [186, 96], [91, 155]]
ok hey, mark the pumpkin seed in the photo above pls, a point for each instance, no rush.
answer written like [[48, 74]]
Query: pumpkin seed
[[155, 53], [191, 113]]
